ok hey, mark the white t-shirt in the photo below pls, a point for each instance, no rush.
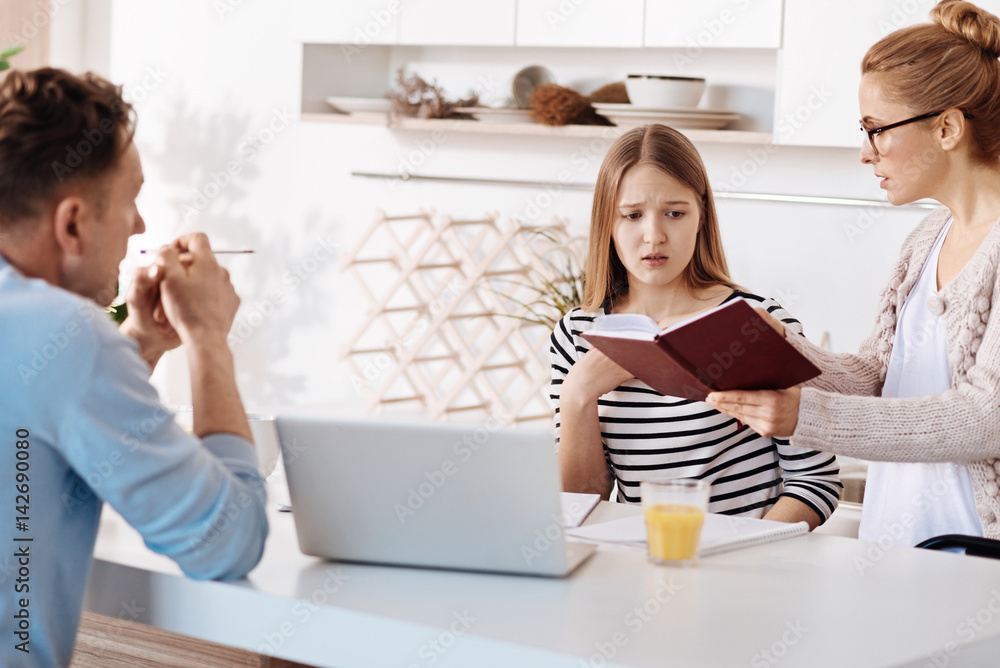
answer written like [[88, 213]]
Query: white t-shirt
[[906, 503]]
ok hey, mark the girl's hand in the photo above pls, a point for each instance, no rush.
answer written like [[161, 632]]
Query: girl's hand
[[592, 377], [768, 412]]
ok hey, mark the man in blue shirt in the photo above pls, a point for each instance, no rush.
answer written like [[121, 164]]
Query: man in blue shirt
[[79, 422]]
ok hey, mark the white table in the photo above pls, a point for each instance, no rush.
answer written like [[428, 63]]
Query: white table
[[813, 601]]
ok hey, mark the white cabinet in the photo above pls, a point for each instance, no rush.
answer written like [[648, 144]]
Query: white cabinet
[[458, 22], [819, 70], [597, 23], [357, 22], [713, 23]]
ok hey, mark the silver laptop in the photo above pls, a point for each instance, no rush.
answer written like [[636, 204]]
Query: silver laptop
[[431, 495]]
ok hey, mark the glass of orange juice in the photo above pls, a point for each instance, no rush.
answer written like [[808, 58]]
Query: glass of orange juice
[[674, 512]]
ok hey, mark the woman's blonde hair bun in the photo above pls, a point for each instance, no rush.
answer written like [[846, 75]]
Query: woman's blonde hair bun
[[977, 26]]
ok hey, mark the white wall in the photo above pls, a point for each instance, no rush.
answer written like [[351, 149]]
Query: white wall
[[205, 82]]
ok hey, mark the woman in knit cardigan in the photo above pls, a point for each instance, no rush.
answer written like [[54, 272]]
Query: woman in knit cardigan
[[922, 397]]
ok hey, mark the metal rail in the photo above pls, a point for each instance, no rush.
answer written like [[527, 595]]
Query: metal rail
[[587, 187]]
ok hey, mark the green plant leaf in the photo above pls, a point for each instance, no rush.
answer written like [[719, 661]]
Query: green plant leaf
[[555, 294], [11, 51], [119, 309], [118, 312], [4, 65]]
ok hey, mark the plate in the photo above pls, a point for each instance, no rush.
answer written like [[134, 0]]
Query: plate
[[498, 114], [679, 121], [625, 115], [359, 105], [624, 107]]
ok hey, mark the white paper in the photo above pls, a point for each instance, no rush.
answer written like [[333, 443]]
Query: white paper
[[642, 327], [576, 507], [626, 326]]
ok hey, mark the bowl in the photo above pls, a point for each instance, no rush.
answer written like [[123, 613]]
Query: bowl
[[654, 91], [525, 81]]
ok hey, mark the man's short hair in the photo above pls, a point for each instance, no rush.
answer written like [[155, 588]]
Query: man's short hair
[[56, 129]]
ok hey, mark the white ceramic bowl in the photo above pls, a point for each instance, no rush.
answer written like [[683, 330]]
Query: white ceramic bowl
[[651, 91]]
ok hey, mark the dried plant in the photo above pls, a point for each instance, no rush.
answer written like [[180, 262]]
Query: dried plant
[[613, 92], [412, 96], [552, 104], [557, 289]]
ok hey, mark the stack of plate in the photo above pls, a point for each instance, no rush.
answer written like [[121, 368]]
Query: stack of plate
[[498, 114], [627, 115], [359, 106]]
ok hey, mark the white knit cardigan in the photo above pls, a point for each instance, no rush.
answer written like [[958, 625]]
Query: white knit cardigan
[[841, 410]]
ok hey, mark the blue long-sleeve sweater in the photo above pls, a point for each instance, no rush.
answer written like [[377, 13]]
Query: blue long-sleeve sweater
[[79, 425]]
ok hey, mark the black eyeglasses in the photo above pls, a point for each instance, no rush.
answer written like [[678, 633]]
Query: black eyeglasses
[[874, 131]]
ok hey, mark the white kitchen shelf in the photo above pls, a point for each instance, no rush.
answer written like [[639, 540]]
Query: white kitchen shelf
[[527, 129]]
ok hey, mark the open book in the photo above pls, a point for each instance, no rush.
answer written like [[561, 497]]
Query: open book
[[720, 533], [729, 347]]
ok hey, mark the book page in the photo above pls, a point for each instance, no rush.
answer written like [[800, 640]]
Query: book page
[[626, 326], [630, 325]]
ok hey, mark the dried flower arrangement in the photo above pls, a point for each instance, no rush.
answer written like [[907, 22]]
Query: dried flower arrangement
[[412, 96]]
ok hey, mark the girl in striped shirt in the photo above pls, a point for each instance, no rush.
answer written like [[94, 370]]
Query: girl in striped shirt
[[655, 249]]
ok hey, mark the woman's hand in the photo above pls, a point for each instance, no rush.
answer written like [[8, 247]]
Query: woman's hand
[[768, 412]]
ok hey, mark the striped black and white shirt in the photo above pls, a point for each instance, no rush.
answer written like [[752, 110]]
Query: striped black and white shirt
[[649, 436]]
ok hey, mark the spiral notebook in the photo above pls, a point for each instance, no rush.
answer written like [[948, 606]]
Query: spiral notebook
[[720, 533]]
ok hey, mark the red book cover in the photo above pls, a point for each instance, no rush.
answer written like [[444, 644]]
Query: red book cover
[[730, 347]]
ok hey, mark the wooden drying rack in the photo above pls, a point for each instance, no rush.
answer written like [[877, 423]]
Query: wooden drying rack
[[445, 328]]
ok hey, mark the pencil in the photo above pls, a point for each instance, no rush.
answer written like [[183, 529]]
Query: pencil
[[215, 252]]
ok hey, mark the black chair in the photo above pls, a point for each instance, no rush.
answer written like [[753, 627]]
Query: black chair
[[973, 545]]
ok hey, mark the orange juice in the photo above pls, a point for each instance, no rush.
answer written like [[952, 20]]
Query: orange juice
[[673, 531]]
